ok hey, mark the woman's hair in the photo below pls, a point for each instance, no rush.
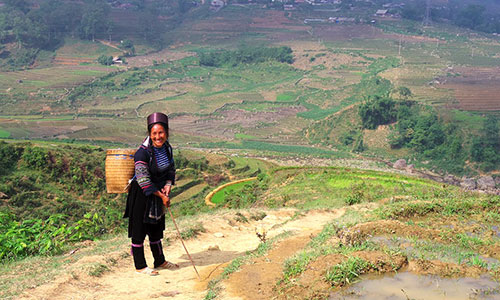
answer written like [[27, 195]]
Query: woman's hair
[[165, 127]]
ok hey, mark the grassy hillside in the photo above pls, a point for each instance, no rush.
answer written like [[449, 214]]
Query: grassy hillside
[[54, 194], [390, 223], [379, 223]]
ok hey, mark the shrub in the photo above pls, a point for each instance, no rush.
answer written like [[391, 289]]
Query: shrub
[[9, 155], [347, 271], [376, 112], [105, 60]]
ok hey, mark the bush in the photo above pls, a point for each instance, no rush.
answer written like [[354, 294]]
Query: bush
[[105, 60], [9, 155], [376, 112], [49, 236], [35, 157]]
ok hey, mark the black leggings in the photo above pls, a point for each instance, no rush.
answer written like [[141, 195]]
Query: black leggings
[[138, 253]]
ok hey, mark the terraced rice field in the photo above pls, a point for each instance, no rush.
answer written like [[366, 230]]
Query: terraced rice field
[[476, 89]]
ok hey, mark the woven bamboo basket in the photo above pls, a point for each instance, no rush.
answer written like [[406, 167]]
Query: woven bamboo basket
[[119, 169]]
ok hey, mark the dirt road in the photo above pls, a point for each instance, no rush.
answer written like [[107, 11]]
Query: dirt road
[[223, 231]]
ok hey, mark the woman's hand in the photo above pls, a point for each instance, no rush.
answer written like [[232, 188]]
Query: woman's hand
[[167, 188], [166, 200]]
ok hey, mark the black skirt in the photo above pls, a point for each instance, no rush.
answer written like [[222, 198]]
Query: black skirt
[[135, 211]]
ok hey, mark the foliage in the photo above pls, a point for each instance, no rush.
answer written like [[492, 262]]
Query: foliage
[[242, 196], [404, 92], [421, 129], [247, 55], [413, 12], [378, 111], [128, 46], [347, 271], [357, 193], [193, 231], [105, 60], [94, 19], [62, 176], [485, 148], [9, 155], [37, 236], [35, 29]]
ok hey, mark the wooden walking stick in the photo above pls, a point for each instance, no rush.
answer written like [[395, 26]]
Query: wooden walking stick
[[173, 220]]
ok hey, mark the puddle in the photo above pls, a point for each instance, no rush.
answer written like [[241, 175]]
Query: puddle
[[407, 285]]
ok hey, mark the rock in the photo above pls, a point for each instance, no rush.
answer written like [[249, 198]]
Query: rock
[[214, 248], [450, 179], [219, 234], [399, 164], [410, 168], [486, 183], [497, 181], [468, 183]]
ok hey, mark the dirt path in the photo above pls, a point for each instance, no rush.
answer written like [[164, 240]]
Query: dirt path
[[121, 282], [109, 44]]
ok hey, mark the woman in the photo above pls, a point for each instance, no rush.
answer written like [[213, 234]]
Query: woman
[[149, 194]]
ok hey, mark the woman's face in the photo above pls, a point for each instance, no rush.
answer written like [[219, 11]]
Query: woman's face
[[158, 135]]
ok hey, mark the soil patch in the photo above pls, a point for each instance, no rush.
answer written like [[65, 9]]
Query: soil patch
[[114, 276], [436, 267], [257, 280], [228, 122], [361, 232]]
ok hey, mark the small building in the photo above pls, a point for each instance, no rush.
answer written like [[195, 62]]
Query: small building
[[381, 13], [117, 60], [217, 3], [289, 7]]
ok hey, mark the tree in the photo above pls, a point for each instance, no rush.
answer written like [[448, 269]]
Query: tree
[[128, 46], [413, 12], [471, 16], [22, 5], [29, 33], [151, 29], [404, 92], [485, 148], [376, 112], [94, 19], [61, 18], [105, 60]]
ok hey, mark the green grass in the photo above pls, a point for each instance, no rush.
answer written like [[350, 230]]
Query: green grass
[[4, 134], [192, 231], [333, 187], [220, 196], [286, 97], [445, 252], [264, 146], [242, 136], [346, 272]]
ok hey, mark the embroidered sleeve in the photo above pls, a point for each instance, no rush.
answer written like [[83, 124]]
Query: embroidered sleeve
[[171, 171], [143, 176]]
